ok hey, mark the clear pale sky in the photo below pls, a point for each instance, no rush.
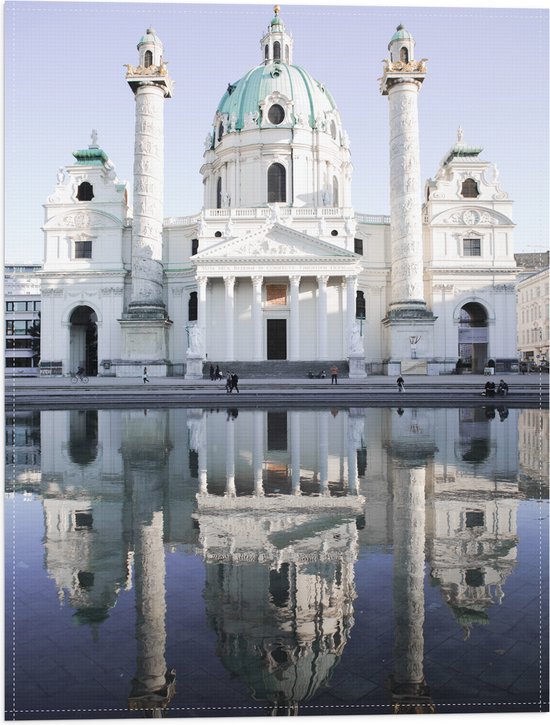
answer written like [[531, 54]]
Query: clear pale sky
[[487, 72]]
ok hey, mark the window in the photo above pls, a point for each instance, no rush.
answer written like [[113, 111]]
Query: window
[[194, 247], [18, 306], [83, 520], [360, 305], [275, 294], [334, 232], [18, 327], [474, 518], [334, 191], [220, 131], [276, 183], [37, 305], [148, 60], [333, 131], [472, 247], [276, 50], [85, 192], [266, 52], [276, 114], [404, 55], [358, 246], [475, 578], [277, 434], [192, 307], [83, 250], [219, 193], [469, 189]]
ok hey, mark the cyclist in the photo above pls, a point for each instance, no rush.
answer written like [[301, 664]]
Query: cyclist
[[80, 372]]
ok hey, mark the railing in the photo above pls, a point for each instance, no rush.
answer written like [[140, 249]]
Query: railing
[[261, 212]]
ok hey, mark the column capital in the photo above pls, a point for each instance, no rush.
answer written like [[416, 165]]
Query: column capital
[[322, 280], [229, 280], [295, 279], [202, 280], [257, 280]]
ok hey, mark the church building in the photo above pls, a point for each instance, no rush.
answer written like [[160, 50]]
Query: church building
[[278, 272]]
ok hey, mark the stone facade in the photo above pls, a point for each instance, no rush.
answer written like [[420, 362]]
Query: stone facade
[[278, 265]]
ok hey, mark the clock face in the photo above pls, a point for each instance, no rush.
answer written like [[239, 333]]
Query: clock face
[[470, 217]]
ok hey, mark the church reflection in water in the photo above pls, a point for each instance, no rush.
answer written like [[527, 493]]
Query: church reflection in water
[[279, 504]]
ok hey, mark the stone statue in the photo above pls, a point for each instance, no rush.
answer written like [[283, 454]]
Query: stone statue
[[201, 229], [226, 200], [195, 339], [93, 136], [355, 340], [325, 196], [228, 231], [208, 141], [460, 135], [60, 175]]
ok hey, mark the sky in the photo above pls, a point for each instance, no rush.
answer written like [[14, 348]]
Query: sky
[[64, 76]]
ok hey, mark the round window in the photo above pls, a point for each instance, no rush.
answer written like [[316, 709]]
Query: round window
[[217, 234], [334, 233], [276, 114]]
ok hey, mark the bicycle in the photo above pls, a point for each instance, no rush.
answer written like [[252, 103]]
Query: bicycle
[[80, 379]]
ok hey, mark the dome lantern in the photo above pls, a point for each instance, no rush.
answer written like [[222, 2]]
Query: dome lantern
[[150, 49], [277, 43], [401, 46]]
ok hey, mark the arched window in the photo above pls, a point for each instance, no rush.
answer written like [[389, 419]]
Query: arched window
[[335, 191], [192, 307], [276, 50], [148, 59], [219, 193], [469, 189], [276, 183], [404, 55], [194, 247], [220, 131], [85, 192], [360, 305], [266, 52]]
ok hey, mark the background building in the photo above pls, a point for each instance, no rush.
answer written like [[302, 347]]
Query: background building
[[22, 319], [533, 324]]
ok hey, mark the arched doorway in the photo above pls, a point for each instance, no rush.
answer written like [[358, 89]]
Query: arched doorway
[[473, 337], [83, 340]]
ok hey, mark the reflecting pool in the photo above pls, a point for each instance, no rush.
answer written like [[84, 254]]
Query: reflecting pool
[[189, 562]]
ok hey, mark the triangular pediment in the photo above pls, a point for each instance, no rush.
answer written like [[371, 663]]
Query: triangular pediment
[[276, 243]]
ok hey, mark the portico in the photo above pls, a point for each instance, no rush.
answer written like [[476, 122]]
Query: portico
[[260, 305]]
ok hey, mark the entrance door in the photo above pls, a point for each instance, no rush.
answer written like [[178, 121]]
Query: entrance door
[[276, 339]]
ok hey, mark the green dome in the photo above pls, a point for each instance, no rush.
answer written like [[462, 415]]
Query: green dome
[[149, 37], [310, 97], [400, 34]]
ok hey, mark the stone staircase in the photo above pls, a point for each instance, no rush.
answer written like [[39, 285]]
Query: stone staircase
[[277, 368]]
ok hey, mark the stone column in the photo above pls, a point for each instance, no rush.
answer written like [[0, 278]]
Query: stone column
[[230, 458], [202, 283], [257, 317], [351, 293], [258, 452], [295, 452], [323, 452], [147, 268], [294, 317], [229, 317], [322, 317]]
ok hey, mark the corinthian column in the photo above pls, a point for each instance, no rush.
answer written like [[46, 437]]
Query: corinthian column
[[294, 318], [229, 317], [257, 317], [322, 317]]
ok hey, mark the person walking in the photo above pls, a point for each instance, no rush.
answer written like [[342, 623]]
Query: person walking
[[217, 374], [400, 384], [334, 375], [145, 376], [235, 382], [228, 383], [211, 372]]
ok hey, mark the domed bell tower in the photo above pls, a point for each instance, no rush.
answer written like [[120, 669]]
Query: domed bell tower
[[145, 322]]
